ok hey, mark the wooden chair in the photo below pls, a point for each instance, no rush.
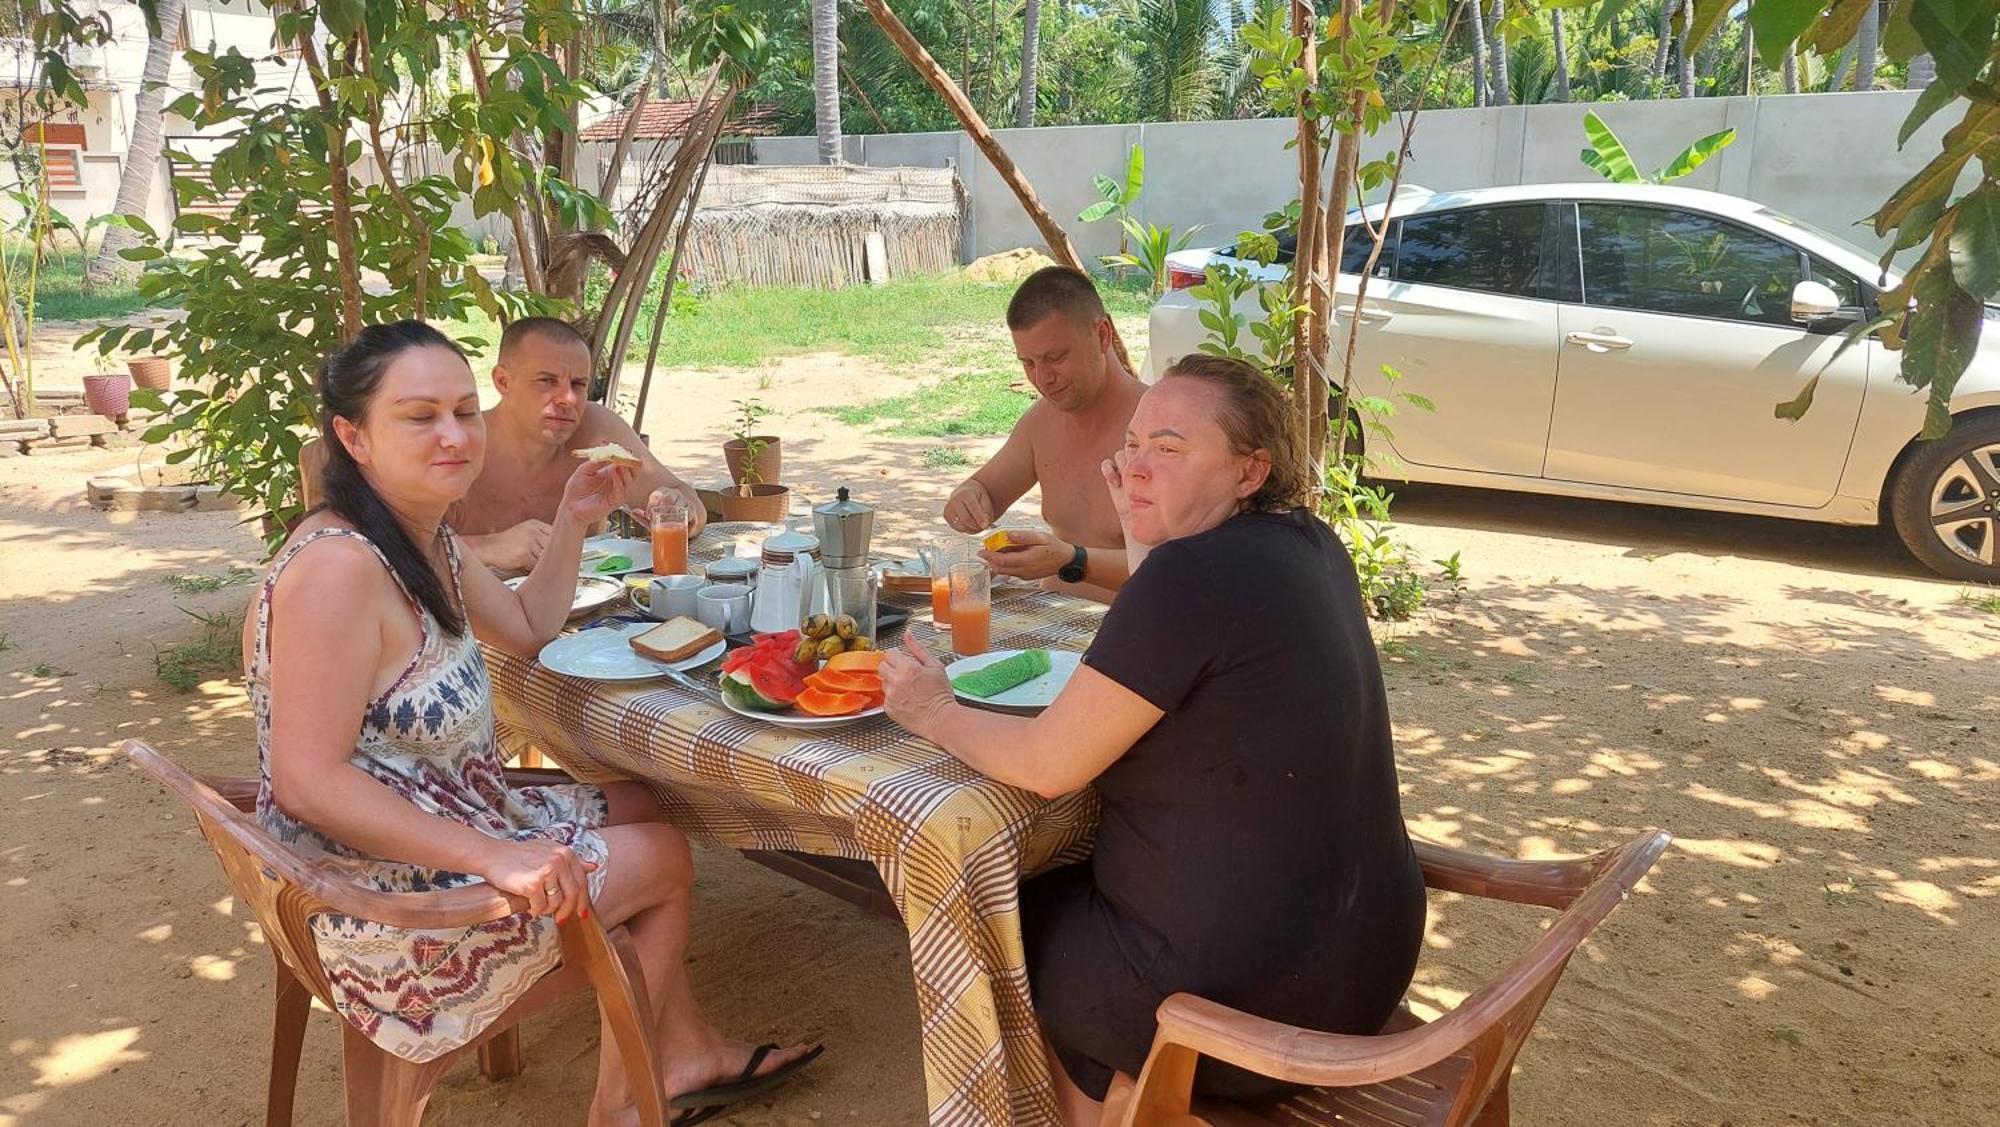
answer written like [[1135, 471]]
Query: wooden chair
[[1449, 1072], [285, 889], [312, 460]]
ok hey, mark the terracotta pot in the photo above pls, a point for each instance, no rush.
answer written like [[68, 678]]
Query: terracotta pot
[[766, 504], [154, 373], [110, 396], [770, 468]]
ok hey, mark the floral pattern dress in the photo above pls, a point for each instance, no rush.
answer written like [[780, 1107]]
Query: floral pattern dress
[[421, 993]]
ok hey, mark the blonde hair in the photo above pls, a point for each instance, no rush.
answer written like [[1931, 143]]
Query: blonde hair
[[1255, 415]]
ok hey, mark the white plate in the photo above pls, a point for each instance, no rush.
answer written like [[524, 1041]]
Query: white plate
[[801, 720], [1030, 696], [591, 592], [640, 552], [603, 653]]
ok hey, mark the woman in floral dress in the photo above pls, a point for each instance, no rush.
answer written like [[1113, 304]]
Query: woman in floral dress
[[375, 739]]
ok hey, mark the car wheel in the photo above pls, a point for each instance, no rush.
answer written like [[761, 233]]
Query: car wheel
[[1946, 502]]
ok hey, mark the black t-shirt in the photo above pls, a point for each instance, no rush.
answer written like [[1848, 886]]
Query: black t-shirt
[[1259, 819]]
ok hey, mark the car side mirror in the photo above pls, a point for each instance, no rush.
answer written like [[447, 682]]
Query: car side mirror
[[1813, 300]]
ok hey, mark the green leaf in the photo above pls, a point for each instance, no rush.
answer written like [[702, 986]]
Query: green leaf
[[1899, 39], [1936, 178], [1707, 14], [1778, 24], [1696, 155], [141, 254], [1796, 407], [1135, 176], [1839, 25], [1975, 242], [1606, 155], [1096, 211], [1943, 335]]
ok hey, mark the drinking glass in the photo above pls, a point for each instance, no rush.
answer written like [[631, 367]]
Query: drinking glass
[[940, 555], [668, 511], [971, 608]]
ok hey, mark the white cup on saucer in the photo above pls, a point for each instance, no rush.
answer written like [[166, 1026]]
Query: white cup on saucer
[[672, 596]]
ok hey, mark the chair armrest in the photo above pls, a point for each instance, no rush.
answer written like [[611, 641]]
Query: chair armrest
[[1549, 884], [1304, 1056], [239, 791]]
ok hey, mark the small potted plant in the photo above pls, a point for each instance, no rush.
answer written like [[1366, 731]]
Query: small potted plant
[[752, 458], [107, 393]]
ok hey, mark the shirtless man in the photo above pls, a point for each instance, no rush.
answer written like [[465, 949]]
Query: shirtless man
[[543, 417], [1063, 338]]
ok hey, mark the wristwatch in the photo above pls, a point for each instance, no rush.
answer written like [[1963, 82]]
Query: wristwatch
[[1074, 570]]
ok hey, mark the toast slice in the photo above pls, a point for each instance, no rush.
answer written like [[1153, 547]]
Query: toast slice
[[676, 639], [613, 453]]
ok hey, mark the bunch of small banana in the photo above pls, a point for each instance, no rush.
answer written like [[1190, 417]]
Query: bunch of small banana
[[824, 635]]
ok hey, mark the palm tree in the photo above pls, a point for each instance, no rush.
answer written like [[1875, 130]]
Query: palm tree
[[1665, 38], [826, 78], [1175, 39], [1497, 44], [1031, 35], [1561, 53], [1791, 69], [1866, 43], [1687, 49], [1478, 25], [1923, 72], [135, 182]]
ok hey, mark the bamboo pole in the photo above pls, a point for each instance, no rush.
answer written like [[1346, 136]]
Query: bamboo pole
[[1310, 287], [1060, 247]]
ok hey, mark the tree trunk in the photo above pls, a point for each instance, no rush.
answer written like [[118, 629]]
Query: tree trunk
[[1840, 62], [607, 189], [1480, 90], [1923, 72], [1665, 39], [1749, 56], [142, 157], [1060, 247], [1687, 49], [1496, 43], [1312, 284], [1789, 74], [1031, 34], [1562, 54], [1867, 42], [826, 78]]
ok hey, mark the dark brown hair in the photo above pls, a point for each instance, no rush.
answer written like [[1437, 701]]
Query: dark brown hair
[[1255, 414], [347, 385], [548, 328], [1055, 289]]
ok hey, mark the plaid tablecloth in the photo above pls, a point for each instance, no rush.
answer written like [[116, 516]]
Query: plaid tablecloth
[[951, 845]]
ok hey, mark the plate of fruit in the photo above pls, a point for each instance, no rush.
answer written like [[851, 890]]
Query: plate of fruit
[[771, 680]]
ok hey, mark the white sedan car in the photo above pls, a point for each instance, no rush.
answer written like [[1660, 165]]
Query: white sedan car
[[1629, 342]]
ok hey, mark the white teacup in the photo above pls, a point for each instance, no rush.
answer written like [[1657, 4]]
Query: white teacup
[[671, 596], [725, 606]]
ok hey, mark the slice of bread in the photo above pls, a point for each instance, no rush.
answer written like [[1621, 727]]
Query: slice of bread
[[611, 452], [676, 639]]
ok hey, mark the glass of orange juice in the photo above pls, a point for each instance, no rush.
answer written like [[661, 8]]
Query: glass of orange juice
[[940, 556], [971, 608], [669, 513]]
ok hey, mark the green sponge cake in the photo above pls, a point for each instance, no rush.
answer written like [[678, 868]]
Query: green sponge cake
[[992, 680]]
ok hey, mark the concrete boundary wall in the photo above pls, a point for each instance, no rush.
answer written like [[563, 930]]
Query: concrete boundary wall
[[1829, 159]]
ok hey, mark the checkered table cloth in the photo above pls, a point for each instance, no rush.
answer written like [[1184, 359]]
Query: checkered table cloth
[[951, 845]]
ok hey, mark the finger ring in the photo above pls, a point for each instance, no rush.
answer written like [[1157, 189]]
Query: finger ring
[[552, 889]]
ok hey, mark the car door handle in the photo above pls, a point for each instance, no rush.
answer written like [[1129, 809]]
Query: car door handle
[[1600, 341]]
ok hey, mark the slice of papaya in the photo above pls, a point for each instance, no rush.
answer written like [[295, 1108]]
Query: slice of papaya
[[819, 702], [836, 681], [856, 661]]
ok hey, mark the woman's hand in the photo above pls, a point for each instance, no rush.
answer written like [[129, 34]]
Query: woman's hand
[[914, 688], [551, 877], [594, 490]]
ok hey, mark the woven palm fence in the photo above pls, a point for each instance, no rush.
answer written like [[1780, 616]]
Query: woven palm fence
[[809, 225]]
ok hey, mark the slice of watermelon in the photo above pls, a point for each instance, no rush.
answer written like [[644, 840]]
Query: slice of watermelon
[[774, 680]]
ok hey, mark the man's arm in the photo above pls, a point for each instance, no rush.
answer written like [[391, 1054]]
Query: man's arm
[[601, 425], [994, 487], [514, 549]]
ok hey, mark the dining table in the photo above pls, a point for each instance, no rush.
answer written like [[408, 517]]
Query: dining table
[[950, 846]]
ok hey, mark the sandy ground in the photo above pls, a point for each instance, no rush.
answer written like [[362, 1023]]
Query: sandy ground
[[1813, 716]]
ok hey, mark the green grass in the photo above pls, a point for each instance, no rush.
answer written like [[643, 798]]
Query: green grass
[[1984, 598], [59, 292], [973, 403], [44, 669], [936, 458], [193, 584], [218, 651]]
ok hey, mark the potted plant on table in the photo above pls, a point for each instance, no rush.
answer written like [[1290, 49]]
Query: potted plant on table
[[753, 463]]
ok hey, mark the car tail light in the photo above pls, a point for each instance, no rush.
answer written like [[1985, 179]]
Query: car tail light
[[1180, 278]]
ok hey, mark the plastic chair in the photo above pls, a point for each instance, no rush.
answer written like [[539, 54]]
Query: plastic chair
[[285, 888], [1449, 1072]]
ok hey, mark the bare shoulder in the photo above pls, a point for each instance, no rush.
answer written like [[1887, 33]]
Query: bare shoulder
[[1037, 424], [599, 425], [343, 575]]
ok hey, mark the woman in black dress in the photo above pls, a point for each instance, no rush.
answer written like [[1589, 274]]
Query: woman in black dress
[[1231, 713]]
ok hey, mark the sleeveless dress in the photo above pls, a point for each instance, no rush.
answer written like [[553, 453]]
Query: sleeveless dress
[[421, 993]]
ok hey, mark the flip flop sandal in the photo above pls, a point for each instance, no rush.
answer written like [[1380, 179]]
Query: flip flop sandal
[[747, 1083], [696, 1115]]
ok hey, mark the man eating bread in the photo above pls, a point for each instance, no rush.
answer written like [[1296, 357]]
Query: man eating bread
[[542, 424]]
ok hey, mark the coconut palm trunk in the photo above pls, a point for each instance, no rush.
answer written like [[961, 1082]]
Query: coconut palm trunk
[[826, 78], [1497, 44], [1687, 49], [1663, 43], [1031, 35], [142, 157], [1923, 72], [1561, 52], [1789, 74], [1867, 41], [1478, 25]]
